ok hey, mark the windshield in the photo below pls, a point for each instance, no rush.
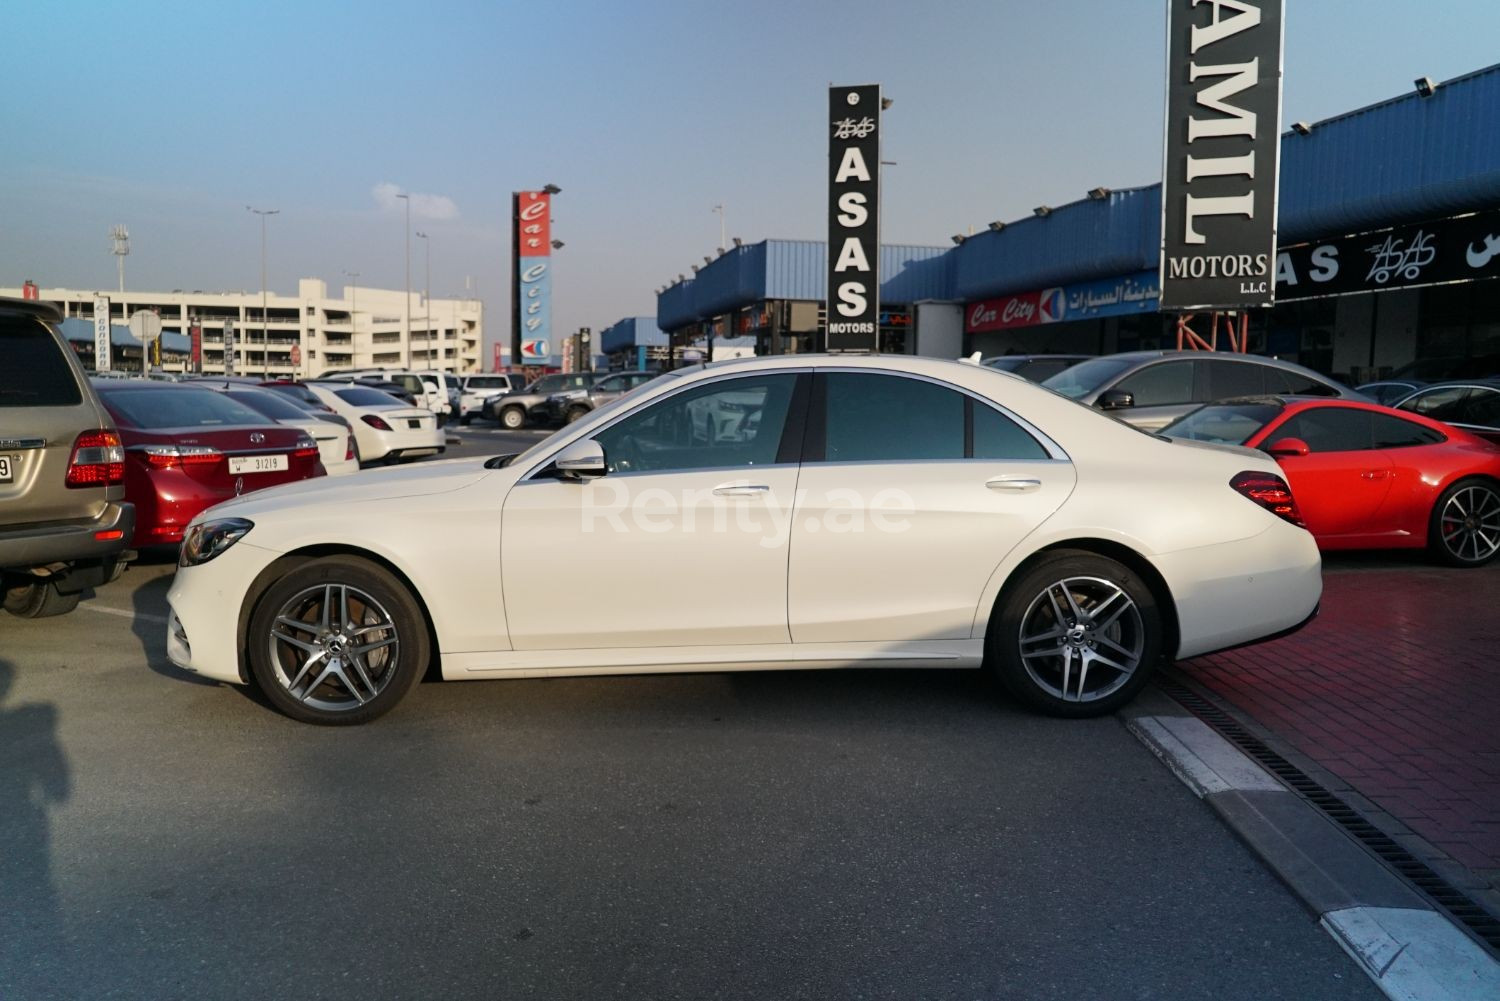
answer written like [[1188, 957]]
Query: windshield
[[604, 413], [272, 405], [1085, 377], [1224, 424]]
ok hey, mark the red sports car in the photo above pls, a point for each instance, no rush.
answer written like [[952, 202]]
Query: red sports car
[[1368, 477], [188, 448]]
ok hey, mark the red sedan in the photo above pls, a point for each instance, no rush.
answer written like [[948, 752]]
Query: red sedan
[[1368, 477], [188, 448]]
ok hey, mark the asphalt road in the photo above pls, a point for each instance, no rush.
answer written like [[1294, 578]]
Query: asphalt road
[[780, 835]]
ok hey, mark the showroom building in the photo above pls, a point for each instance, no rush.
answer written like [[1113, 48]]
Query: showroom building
[[1389, 236]]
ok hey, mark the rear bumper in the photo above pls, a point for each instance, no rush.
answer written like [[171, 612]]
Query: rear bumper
[[72, 542]]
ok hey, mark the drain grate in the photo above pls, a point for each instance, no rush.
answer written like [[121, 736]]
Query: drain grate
[[1480, 922]]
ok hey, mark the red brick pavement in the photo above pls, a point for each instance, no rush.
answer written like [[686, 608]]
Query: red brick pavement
[[1395, 689]]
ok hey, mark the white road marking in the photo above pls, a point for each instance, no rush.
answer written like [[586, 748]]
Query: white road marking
[[1414, 955], [143, 616], [1205, 761]]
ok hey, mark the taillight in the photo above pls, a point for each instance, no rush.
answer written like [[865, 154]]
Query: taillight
[[1270, 492], [375, 422], [305, 453], [349, 449], [98, 460], [171, 456]]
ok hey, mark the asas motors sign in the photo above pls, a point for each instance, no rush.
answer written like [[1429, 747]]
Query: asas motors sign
[[853, 310], [1221, 155]]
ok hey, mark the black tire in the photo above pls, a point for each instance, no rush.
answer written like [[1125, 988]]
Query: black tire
[[512, 418], [1464, 517], [574, 413], [39, 600], [465, 419], [379, 598], [1032, 600]]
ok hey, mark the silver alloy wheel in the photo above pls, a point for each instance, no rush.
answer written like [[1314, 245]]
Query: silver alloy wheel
[[1076, 625], [1470, 523], [333, 647], [512, 418]]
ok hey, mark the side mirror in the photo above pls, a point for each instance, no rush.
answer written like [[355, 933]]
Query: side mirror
[[581, 460], [1115, 399], [1289, 446]]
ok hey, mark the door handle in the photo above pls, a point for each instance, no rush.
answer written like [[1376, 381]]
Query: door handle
[[1375, 474], [741, 490], [1013, 484]]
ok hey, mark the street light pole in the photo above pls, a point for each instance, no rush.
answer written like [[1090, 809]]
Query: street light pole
[[353, 301], [407, 321], [723, 227], [427, 296], [265, 330]]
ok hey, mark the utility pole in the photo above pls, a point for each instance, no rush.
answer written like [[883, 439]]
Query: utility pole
[[265, 329], [407, 322], [427, 295], [723, 227]]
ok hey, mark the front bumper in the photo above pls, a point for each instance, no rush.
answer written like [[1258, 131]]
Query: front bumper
[[22, 548], [206, 618]]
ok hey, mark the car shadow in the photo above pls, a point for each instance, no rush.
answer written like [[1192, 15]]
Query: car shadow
[[34, 779]]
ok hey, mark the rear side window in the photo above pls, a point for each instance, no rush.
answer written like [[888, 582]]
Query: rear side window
[[1445, 404], [996, 436], [1484, 408], [1160, 385], [1329, 429], [1393, 432], [157, 409], [33, 370], [875, 418], [1230, 379]]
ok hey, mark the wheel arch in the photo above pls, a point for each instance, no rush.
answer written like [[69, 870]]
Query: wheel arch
[[1120, 553], [288, 562]]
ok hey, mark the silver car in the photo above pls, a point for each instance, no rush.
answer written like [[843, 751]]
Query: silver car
[[566, 407], [1150, 389]]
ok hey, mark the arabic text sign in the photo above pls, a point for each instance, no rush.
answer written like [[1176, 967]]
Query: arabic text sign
[[1221, 152], [1465, 248], [1135, 293]]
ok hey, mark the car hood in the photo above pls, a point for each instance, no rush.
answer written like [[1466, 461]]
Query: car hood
[[421, 479]]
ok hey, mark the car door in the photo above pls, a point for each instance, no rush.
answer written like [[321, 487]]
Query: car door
[[608, 389], [683, 541], [1163, 391], [911, 493], [1342, 483]]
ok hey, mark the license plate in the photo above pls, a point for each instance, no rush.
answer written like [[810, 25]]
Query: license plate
[[258, 464], [7, 469], [414, 423]]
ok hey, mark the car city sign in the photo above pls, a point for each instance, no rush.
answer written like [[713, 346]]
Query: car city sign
[[1221, 153], [853, 308], [1135, 293], [532, 240]]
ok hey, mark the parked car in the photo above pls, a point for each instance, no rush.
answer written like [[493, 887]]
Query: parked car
[[65, 522], [385, 429], [1150, 389], [1368, 477], [428, 389], [890, 510], [1037, 368], [336, 448], [1449, 368], [569, 405], [1388, 392], [514, 411], [303, 396], [188, 447], [1473, 405], [475, 389]]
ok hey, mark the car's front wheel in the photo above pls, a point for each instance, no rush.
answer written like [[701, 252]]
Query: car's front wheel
[[513, 418], [575, 413], [1076, 635], [1465, 528], [337, 641]]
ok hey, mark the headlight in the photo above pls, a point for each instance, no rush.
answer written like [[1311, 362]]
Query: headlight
[[208, 539]]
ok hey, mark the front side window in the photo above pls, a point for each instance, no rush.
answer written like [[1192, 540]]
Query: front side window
[[735, 423], [1328, 429], [1161, 385]]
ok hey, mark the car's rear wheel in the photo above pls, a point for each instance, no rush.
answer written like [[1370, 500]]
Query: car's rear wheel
[[513, 418], [1076, 635], [39, 599], [337, 641], [574, 413], [1465, 526]]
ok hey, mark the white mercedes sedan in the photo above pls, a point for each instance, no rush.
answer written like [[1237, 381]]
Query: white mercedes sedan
[[792, 512]]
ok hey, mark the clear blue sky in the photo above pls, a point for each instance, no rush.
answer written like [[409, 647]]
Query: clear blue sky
[[171, 117]]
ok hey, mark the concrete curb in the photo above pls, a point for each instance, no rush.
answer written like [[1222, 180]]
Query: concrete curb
[[1409, 950]]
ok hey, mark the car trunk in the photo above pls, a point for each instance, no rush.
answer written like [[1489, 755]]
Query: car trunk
[[219, 458]]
